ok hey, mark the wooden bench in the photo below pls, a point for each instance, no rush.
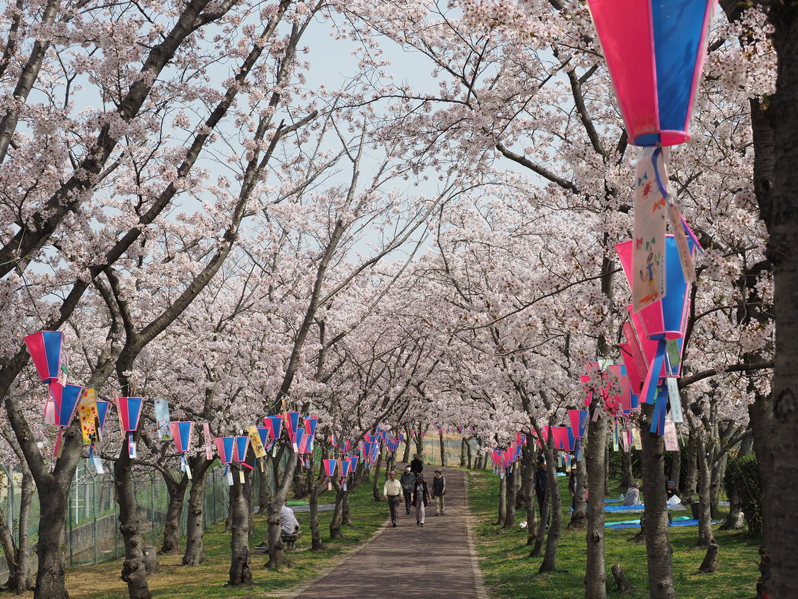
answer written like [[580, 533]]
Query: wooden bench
[[289, 540]]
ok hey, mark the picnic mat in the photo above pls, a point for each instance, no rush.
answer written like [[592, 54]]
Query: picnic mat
[[678, 521]]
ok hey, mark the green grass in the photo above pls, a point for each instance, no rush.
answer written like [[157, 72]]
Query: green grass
[[509, 572], [209, 580]]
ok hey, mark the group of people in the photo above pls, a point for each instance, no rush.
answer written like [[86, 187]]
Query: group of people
[[415, 491]]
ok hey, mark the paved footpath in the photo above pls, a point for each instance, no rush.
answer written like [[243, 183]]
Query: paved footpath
[[408, 561]]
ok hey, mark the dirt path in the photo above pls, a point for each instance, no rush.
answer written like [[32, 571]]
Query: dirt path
[[434, 561]]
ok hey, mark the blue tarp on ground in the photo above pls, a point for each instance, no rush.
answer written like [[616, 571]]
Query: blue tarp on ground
[[624, 508], [682, 521]]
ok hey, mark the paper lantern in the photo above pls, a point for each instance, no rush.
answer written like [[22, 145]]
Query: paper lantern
[[66, 398], [655, 53], [291, 424], [241, 447], [182, 433], [129, 411], [45, 350], [667, 318], [275, 424], [225, 447]]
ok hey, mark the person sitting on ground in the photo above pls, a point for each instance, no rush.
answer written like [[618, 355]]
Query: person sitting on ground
[[289, 525], [672, 498], [633, 495], [572, 487], [416, 465]]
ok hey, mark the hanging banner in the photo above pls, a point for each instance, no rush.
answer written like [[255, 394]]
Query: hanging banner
[[648, 254], [675, 401], [671, 441], [636, 440], [254, 439], [87, 411], [162, 418]]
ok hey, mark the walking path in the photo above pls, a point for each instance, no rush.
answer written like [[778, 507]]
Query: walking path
[[437, 560]]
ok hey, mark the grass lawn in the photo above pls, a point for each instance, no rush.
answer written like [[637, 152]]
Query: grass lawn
[[509, 572], [209, 580]]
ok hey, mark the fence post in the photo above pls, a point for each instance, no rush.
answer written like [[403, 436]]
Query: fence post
[[213, 494], [93, 508], [152, 507], [69, 509], [116, 519]]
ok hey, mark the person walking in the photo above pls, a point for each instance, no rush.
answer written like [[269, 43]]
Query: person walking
[[416, 465], [408, 481], [392, 490], [420, 498], [438, 491]]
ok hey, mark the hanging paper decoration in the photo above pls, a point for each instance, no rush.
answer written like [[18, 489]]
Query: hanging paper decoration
[[255, 441], [265, 434], [163, 420], [65, 399], [291, 424], [578, 420], [241, 447], [45, 350], [87, 412], [275, 424], [182, 432], [299, 434], [129, 412], [329, 469], [655, 53], [225, 447]]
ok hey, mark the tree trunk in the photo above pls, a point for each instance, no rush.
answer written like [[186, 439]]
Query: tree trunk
[[553, 497], [443, 449], [624, 586], [406, 454], [265, 483], [502, 498], [710, 563], [195, 525], [335, 523], [276, 548], [240, 574], [691, 480], [419, 439], [315, 533], [249, 493], [704, 507], [761, 417], [463, 453], [626, 476], [540, 532], [133, 569], [513, 484], [658, 549], [606, 468], [676, 470], [51, 546], [468, 452], [596, 568], [716, 482], [375, 485], [10, 551], [579, 516], [346, 514], [171, 529], [24, 572], [780, 213], [529, 486]]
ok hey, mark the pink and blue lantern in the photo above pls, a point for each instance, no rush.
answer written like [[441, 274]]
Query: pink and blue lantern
[[655, 53], [129, 410], [66, 399], [240, 452], [45, 350], [182, 433], [275, 423]]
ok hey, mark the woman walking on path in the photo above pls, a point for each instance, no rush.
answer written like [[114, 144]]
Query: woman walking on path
[[420, 498]]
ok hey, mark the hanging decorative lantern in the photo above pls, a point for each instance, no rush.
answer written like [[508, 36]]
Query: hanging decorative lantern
[[655, 53], [129, 411], [45, 350], [182, 433], [329, 468], [225, 447]]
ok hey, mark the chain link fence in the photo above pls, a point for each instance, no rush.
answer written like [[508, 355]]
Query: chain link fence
[[92, 531]]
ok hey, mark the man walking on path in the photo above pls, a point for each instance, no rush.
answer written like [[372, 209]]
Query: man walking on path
[[416, 466], [420, 499], [408, 481], [393, 493], [438, 491]]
